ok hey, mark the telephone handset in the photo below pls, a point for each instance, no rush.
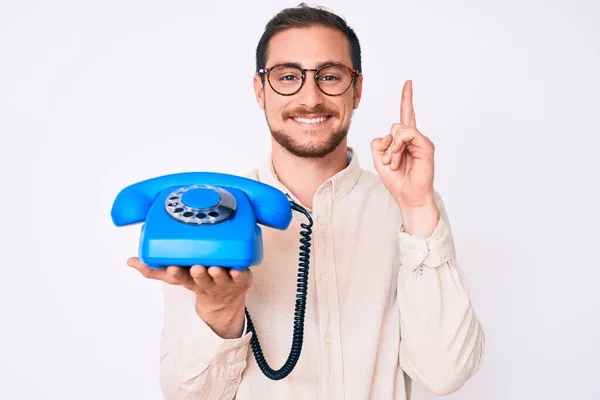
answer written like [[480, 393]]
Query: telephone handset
[[211, 219]]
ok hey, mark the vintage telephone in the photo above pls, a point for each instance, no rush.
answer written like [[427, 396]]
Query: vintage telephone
[[211, 219]]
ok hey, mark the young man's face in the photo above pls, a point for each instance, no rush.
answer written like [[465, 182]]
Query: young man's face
[[308, 123]]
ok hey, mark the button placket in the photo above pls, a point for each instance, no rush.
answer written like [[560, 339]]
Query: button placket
[[332, 335], [319, 266]]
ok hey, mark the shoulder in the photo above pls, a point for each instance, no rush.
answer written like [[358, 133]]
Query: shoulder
[[252, 174]]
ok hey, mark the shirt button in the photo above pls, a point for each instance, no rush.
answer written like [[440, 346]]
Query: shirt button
[[329, 339], [325, 278]]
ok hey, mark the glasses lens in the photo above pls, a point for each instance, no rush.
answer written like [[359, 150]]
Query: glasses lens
[[285, 80], [334, 80]]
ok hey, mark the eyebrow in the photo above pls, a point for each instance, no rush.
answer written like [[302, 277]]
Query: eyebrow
[[297, 65]]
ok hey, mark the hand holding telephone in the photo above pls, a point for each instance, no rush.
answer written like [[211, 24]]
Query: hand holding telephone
[[211, 219]]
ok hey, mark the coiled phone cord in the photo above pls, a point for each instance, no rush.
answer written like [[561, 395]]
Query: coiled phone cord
[[300, 309]]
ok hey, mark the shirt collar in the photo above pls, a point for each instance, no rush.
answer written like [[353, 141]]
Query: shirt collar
[[341, 183]]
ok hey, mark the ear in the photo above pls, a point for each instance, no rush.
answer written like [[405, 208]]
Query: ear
[[259, 91], [358, 91]]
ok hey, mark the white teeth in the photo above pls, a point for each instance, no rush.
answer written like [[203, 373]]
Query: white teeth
[[310, 120]]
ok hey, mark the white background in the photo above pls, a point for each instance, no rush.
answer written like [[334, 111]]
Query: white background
[[97, 95]]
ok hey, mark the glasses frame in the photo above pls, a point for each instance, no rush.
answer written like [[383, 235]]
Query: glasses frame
[[267, 72]]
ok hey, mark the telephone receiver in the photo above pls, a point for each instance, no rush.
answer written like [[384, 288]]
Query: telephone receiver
[[212, 219]]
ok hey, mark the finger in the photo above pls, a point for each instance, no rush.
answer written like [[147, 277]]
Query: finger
[[397, 143], [389, 156], [406, 141], [418, 145], [143, 269], [200, 275], [219, 275], [380, 145], [133, 261], [177, 275], [397, 156], [380, 148], [407, 112], [402, 138], [406, 137], [404, 161], [386, 156], [241, 276]]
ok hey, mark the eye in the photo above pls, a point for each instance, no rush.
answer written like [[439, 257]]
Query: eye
[[286, 75], [329, 78], [334, 74]]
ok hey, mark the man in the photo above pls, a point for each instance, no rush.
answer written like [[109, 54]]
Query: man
[[387, 304]]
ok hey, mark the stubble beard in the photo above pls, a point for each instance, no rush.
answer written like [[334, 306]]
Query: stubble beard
[[313, 149]]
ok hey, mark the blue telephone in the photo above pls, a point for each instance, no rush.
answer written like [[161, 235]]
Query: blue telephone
[[211, 219]]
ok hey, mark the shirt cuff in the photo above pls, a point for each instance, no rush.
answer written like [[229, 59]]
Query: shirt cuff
[[200, 345], [433, 251]]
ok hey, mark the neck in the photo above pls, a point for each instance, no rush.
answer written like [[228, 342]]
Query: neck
[[303, 176]]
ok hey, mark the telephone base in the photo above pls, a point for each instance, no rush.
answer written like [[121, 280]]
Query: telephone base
[[235, 242]]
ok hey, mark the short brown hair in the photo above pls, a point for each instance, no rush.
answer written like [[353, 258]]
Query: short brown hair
[[304, 16]]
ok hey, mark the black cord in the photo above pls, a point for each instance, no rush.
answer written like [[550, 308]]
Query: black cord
[[302, 287]]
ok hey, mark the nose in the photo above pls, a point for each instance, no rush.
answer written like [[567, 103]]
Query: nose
[[310, 95]]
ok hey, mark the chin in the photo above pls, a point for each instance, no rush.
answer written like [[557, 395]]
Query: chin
[[303, 146], [309, 135]]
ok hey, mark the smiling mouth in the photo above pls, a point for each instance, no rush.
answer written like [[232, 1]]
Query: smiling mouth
[[312, 120]]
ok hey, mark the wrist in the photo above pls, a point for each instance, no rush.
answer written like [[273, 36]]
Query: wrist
[[226, 322], [420, 220]]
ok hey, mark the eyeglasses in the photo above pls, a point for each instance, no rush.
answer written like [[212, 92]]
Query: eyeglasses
[[332, 79]]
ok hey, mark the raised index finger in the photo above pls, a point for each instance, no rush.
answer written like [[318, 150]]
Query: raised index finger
[[407, 112]]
